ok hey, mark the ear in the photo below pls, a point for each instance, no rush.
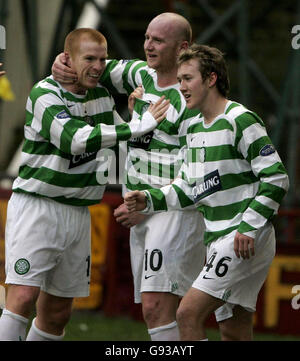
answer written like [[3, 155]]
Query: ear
[[68, 59], [213, 77], [184, 45]]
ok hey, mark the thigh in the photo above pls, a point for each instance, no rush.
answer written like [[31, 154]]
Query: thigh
[[71, 276], [33, 239], [174, 252], [235, 280], [239, 327], [137, 251], [198, 304]]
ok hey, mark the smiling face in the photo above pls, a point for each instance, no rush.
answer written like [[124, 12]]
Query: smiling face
[[89, 61], [86, 53], [194, 89], [161, 49], [165, 37]]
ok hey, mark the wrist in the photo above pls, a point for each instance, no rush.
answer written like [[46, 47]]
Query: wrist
[[147, 203]]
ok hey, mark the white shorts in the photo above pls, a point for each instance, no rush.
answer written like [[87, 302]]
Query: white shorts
[[236, 281], [47, 245], [167, 252]]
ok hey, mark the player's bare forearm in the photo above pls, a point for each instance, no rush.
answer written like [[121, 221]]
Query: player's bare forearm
[[135, 201], [243, 246]]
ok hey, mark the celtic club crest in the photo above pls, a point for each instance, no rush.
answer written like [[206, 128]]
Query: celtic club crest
[[22, 266]]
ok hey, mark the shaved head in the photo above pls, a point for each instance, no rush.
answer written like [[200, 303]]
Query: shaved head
[[178, 25], [166, 36]]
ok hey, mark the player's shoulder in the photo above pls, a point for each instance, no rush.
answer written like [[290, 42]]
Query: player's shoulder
[[45, 86], [241, 115], [125, 63]]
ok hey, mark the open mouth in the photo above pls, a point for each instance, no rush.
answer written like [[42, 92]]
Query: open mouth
[[151, 56], [94, 76]]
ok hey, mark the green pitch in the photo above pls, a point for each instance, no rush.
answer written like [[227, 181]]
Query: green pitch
[[93, 326]]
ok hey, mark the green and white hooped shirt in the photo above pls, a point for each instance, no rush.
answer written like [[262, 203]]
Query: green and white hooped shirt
[[231, 173], [63, 135], [154, 159]]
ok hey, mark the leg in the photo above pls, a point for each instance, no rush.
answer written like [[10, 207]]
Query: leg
[[53, 313], [192, 313], [159, 308], [237, 328], [159, 311], [19, 304], [21, 299]]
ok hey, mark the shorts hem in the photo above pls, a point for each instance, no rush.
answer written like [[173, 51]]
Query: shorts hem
[[55, 292], [223, 317], [23, 283], [51, 291], [137, 299], [164, 290]]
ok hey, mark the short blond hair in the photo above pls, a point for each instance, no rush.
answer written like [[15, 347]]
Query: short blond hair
[[72, 39]]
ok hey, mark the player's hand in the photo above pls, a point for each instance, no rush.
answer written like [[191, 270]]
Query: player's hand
[[126, 218], [62, 72], [159, 109], [135, 201], [243, 246], [137, 93], [2, 72]]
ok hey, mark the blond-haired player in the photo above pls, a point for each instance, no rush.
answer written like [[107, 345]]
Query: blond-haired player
[[48, 221]]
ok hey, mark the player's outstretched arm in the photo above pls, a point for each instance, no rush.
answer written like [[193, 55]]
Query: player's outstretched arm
[[135, 201], [153, 116]]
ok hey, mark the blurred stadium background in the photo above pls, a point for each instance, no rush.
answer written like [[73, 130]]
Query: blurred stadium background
[[264, 70]]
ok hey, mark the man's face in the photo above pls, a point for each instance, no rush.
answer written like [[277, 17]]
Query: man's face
[[161, 46], [89, 62], [192, 86]]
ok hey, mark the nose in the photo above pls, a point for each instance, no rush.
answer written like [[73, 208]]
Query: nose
[[182, 86], [148, 45], [99, 66]]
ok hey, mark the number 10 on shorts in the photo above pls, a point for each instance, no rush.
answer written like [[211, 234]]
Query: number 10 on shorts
[[153, 259]]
